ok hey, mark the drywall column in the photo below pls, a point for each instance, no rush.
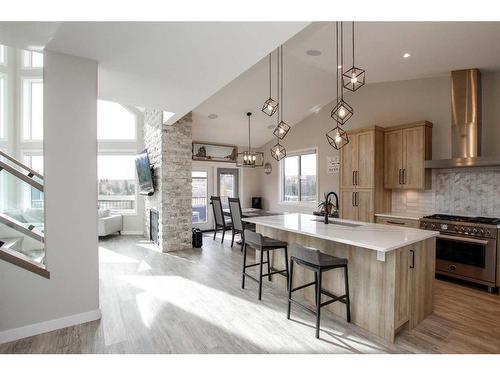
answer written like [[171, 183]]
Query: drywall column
[[169, 148], [30, 304]]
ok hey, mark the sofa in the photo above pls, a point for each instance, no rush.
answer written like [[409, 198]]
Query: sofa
[[108, 223]]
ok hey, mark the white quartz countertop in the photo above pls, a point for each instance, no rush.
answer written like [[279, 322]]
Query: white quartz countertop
[[372, 236]]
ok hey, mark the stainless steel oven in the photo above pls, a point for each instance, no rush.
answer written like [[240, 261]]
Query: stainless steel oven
[[465, 250]]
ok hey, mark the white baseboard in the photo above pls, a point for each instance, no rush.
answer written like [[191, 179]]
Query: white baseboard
[[132, 232], [48, 326]]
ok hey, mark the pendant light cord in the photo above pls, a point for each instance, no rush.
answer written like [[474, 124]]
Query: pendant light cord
[[282, 95], [341, 57], [270, 76], [248, 133], [353, 43]]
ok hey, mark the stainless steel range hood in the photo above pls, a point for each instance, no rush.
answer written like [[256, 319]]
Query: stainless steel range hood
[[466, 123]]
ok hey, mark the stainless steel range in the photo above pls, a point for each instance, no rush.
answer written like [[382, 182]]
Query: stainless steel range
[[466, 247]]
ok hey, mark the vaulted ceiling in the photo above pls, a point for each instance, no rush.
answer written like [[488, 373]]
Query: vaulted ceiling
[[436, 48]]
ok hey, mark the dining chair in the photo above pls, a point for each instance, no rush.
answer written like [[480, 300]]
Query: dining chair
[[239, 225], [220, 221]]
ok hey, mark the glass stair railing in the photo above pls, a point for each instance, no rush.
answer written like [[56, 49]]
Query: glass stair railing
[[21, 216]]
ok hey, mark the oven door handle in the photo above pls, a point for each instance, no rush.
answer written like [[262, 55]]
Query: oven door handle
[[462, 239]]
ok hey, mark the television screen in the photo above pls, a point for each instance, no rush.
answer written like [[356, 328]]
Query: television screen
[[144, 173]]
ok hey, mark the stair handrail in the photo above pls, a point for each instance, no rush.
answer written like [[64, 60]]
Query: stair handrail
[[24, 166], [29, 231], [13, 171]]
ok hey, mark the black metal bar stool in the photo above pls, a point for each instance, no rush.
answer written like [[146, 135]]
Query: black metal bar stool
[[264, 245], [317, 262]]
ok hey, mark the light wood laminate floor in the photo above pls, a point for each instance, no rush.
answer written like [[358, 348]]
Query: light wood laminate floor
[[192, 302]]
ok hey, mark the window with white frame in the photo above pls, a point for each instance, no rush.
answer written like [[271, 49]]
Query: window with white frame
[[3, 100], [32, 108], [35, 196], [299, 177], [3, 59], [115, 122], [117, 182], [32, 59]]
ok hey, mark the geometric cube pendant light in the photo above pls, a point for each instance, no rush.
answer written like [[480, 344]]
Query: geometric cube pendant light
[[342, 111], [281, 130], [337, 138], [354, 78], [278, 152]]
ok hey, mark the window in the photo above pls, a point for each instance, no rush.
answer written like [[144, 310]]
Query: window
[[299, 177], [32, 115], [32, 59], [35, 195], [116, 183], [114, 122], [2, 55], [2, 106], [200, 194]]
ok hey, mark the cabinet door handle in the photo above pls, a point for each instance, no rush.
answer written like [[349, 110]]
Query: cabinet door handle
[[399, 176], [357, 199], [354, 177], [404, 177], [352, 198], [396, 222], [412, 259], [357, 177]]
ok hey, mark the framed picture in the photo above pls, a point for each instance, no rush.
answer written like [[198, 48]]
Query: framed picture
[[214, 152]]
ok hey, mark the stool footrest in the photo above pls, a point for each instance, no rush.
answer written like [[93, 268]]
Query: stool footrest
[[282, 272], [335, 299], [255, 264], [308, 308], [251, 277], [304, 286]]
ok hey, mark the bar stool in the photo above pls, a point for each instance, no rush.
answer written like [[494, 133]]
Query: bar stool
[[264, 245], [317, 262]]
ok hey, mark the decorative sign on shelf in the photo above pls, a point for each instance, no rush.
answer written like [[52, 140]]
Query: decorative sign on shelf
[[213, 152], [332, 164]]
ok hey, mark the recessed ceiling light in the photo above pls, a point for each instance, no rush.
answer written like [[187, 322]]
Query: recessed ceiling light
[[212, 116], [313, 52], [339, 67], [406, 55]]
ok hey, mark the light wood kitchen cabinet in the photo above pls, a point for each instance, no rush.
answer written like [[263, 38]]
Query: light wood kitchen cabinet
[[361, 175], [414, 277], [406, 149], [358, 204]]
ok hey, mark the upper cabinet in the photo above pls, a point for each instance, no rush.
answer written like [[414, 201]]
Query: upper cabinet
[[358, 159], [406, 149], [362, 192]]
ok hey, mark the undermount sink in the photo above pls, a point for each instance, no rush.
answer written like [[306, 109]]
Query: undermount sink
[[337, 222]]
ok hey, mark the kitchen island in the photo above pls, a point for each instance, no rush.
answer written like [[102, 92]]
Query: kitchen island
[[391, 268]]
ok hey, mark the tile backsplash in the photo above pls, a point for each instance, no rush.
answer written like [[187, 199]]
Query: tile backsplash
[[460, 191]]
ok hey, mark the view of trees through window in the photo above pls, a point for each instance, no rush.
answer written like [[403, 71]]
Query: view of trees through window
[[116, 182], [299, 178]]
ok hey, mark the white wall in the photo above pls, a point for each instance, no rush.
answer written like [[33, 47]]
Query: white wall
[[71, 295], [385, 104]]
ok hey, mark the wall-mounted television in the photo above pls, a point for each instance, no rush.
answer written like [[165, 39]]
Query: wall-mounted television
[[144, 174]]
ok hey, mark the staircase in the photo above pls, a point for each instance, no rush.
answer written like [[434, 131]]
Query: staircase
[[21, 226]]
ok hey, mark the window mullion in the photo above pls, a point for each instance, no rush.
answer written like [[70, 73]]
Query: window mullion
[[300, 176]]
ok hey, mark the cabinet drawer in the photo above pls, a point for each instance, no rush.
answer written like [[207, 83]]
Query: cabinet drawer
[[397, 221]]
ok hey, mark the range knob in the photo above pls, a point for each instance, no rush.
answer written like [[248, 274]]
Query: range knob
[[424, 225], [474, 230], [487, 233]]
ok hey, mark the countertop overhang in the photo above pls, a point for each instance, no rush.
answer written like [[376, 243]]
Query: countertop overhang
[[378, 237]]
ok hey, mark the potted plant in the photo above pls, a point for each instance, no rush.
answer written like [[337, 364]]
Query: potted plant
[[328, 206]]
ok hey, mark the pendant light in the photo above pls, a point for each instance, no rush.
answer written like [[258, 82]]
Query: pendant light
[[250, 158], [342, 111], [270, 105], [337, 137], [354, 78], [282, 129], [278, 151]]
